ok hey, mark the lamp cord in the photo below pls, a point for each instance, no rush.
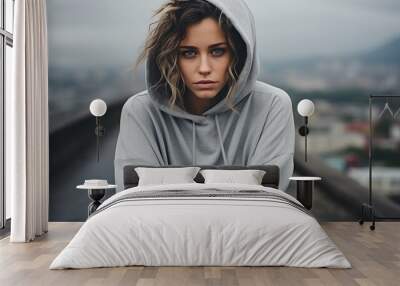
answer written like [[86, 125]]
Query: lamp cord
[[97, 137], [305, 137]]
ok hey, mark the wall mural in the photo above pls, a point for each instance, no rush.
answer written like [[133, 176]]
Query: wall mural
[[337, 63]]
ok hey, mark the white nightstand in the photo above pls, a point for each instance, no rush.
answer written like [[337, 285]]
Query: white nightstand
[[305, 187], [95, 193]]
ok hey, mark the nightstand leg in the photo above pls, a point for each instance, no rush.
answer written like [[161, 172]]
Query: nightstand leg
[[95, 195], [93, 207], [305, 192]]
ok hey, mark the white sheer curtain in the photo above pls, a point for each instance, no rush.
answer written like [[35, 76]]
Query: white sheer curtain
[[27, 143]]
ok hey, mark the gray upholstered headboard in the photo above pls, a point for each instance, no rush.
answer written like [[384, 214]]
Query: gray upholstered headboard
[[270, 179]]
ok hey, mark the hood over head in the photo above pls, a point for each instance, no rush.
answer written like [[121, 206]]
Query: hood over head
[[153, 133], [242, 19]]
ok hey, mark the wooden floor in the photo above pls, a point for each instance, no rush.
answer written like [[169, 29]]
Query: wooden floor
[[374, 255]]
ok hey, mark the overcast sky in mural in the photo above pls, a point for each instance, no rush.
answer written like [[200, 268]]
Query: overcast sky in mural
[[99, 32]]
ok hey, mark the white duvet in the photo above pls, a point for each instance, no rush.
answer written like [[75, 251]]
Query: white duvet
[[200, 231]]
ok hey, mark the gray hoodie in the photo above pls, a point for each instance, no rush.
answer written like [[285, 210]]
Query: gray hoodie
[[262, 132]]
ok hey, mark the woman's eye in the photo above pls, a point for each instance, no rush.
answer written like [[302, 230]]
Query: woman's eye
[[188, 54], [192, 53], [218, 52]]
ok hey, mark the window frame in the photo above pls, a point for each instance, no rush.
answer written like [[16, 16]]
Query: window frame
[[6, 39]]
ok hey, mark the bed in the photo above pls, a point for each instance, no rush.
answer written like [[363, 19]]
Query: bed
[[201, 224]]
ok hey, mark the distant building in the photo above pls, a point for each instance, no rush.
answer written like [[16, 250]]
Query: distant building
[[342, 163], [358, 127], [395, 132], [385, 179], [337, 163], [328, 134]]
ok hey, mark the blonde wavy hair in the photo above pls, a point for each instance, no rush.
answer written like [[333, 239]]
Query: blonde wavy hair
[[165, 35]]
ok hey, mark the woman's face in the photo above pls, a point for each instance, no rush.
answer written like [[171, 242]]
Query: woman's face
[[204, 58]]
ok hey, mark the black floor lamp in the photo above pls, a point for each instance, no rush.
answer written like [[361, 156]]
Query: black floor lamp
[[368, 209]]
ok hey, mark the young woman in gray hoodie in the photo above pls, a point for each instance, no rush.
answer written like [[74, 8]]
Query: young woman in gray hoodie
[[203, 104]]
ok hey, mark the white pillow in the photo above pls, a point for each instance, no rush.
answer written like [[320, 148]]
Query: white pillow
[[162, 176], [248, 177]]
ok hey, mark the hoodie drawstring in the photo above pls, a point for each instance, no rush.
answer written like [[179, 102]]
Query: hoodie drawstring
[[219, 137], [194, 144], [220, 140]]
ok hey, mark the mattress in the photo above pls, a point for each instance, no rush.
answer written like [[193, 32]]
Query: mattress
[[201, 225]]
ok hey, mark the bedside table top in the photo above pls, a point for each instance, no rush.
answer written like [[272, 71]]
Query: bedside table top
[[87, 187], [305, 178]]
